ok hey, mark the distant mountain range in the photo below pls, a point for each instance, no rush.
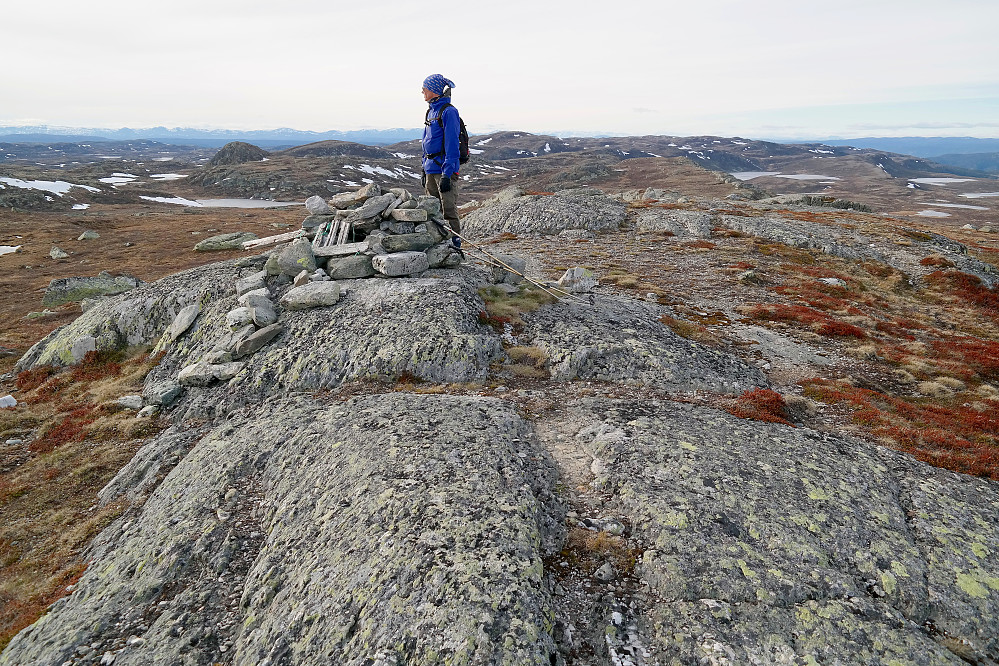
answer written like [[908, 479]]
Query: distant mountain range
[[186, 136], [921, 146]]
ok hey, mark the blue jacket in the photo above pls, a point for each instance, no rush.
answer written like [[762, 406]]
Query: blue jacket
[[434, 140]]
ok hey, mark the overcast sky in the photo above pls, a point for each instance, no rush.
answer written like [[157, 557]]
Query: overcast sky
[[764, 69]]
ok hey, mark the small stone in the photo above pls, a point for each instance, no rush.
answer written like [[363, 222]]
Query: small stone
[[133, 402], [148, 412], [257, 340], [219, 356], [302, 278], [162, 393], [14, 442], [253, 298], [605, 573], [314, 294], [197, 374], [251, 283], [835, 282], [969, 227], [89, 235], [318, 206], [7, 402], [443, 255], [293, 259], [183, 321], [238, 318], [400, 263], [409, 215], [264, 314], [226, 371], [57, 253], [373, 206], [313, 222]]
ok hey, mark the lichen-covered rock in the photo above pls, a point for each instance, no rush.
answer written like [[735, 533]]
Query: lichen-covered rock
[[316, 205], [577, 280], [400, 263], [256, 340], [443, 255], [507, 269], [231, 241], [311, 295], [139, 317], [547, 214], [292, 259], [388, 529], [407, 242], [618, 339], [182, 322], [766, 542], [681, 223], [75, 289], [347, 268]]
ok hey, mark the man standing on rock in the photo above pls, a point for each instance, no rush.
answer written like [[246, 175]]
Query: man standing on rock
[[441, 148]]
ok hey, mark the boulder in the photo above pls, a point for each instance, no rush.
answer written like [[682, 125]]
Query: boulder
[[577, 280], [182, 322], [346, 268], [312, 295], [257, 340], [432, 205], [498, 273], [75, 289], [292, 259], [88, 235], [254, 298], [58, 253], [316, 205], [393, 227], [407, 242], [231, 241], [547, 214], [400, 263], [8, 402]]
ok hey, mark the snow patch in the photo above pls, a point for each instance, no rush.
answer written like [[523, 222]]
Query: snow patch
[[485, 141], [979, 195], [81, 206], [940, 181], [167, 176], [932, 213], [172, 200], [9, 249], [57, 187], [749, 175]]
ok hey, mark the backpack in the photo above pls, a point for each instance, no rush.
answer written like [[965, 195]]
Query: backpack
[[463, 153]]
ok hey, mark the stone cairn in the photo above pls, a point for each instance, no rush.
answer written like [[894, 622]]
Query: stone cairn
[[368, 233], [360, 234]]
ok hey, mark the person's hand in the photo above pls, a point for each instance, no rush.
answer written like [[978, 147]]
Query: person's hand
[[423, 178], [445, 184]]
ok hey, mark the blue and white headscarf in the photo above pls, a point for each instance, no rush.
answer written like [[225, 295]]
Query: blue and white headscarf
[[436, 83]]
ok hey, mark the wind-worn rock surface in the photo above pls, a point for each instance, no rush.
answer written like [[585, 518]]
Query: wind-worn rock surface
[[546, 214], [387, 529], [769, 544]]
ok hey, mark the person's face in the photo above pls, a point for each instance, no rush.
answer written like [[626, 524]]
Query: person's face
[[428, 95]]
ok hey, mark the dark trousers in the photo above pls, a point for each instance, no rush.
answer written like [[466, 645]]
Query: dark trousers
[[448, 205]]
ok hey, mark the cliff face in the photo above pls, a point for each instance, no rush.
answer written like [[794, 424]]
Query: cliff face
[[364, 489]]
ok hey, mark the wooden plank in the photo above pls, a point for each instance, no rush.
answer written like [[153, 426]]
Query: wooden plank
[[270, 240], [340, 250]]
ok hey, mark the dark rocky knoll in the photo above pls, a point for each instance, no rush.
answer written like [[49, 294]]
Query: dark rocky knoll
[[335, 149], [237, 152], [277, 522]]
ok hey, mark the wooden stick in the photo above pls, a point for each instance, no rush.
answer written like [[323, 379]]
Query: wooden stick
[[270, 240]]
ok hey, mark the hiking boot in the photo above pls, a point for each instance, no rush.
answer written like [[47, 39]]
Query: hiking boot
[[456, 242]]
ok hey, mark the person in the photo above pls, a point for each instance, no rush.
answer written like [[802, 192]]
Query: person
[[441, 149]]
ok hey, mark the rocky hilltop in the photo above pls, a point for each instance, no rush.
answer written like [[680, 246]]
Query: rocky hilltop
[[453, 465]]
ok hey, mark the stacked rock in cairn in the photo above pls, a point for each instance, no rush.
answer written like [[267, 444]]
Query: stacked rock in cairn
[[368, 233]]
